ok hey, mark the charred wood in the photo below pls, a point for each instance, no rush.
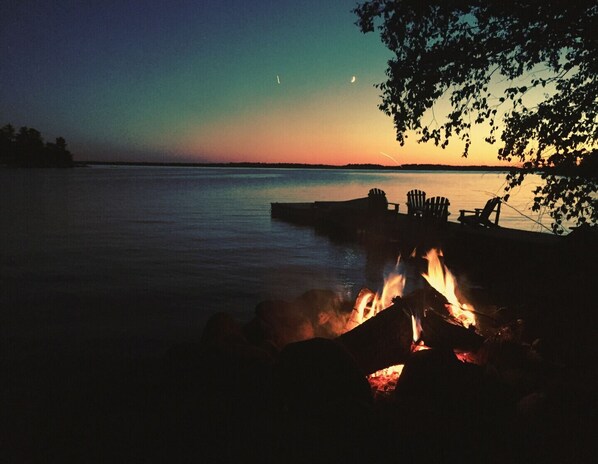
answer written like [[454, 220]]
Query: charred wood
[[386, 339], [382, 341]]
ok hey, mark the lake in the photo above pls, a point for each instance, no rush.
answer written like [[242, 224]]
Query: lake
[[149, 253]]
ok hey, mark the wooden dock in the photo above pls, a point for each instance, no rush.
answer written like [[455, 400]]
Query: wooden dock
[[496, 256], [353, 219]]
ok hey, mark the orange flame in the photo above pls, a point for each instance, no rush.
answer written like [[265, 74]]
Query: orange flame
[[439, 277], [368, 303]]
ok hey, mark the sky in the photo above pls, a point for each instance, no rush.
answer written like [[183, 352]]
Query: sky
[[204, 81]]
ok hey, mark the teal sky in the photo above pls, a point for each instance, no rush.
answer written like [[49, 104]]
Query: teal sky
[[199, 81]]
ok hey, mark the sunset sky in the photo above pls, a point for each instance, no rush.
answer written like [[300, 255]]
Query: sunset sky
[[204, 81]]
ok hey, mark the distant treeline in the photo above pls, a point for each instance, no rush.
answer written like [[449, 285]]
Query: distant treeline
[[26, 148], [587, 168], [428, 167]]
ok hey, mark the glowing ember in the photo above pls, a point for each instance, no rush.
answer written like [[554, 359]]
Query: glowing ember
[[368, 304], [385, 380]]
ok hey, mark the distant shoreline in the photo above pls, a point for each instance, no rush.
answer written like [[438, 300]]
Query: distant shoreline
[[403, 167]]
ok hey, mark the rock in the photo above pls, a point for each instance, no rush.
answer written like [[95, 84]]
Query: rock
[[315, 313], [278, 323], [314, 373], [222, 329], [327, 311], [451, 411], [326, 403]]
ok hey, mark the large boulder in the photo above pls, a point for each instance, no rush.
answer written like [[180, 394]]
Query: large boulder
[[315, 313]]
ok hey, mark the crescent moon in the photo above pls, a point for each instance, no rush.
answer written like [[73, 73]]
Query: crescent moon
[[353, 79]]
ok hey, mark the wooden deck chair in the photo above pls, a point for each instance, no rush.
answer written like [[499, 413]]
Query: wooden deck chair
[[377, 201], [436, 209], [481, 216], [415, 202]]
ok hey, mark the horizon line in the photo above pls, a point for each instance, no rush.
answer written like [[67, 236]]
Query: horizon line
[[258, 164]]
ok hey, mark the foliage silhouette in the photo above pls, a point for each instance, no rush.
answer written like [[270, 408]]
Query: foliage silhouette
[[26, 148], [525, 69]]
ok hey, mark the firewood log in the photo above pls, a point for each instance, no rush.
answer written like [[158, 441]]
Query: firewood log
[[444, 332], [382, 341], [386, 339]]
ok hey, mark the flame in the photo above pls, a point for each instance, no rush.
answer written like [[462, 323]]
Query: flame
[[416, 328], [439, 277], [368, 304]]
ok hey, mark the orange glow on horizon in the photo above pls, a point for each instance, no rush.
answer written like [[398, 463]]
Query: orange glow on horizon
[[335, 128]]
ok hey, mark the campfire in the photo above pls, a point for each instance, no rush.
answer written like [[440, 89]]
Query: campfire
[[389, 374], [400, 373], [419, 307], [430, 300]]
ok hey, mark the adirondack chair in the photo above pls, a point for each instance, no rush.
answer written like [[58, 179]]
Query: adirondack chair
[[415, 202], [436, 209], [481, 216], [377, 200]]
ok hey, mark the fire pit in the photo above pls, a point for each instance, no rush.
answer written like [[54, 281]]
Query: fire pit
[[430, 316], [414, 371]]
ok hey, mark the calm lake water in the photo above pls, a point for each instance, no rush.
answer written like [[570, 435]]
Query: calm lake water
[[151, 252]]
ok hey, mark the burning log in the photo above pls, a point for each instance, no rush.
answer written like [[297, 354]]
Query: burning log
[[381, 341], [387, 338], [439, 331]]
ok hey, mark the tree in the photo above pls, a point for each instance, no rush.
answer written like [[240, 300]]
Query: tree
[[7, 142], [524, 69], [58, 155], [26, 148], [29, 147]]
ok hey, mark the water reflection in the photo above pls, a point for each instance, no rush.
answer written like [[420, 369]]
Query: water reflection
[[155, 250]]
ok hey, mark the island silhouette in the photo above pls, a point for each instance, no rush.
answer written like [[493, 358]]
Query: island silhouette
[[26, 148]]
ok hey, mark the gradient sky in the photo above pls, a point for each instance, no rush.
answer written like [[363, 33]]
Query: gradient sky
[[197, 81]]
